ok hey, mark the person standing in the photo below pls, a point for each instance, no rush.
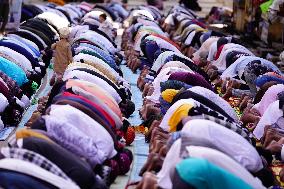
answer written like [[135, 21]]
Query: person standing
[[63, 54], [4, 14]]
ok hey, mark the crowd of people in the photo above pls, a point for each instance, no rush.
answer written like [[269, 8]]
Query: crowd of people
[[212, 109], [77, 137]]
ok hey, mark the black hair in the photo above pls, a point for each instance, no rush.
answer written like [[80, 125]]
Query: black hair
[[104, 16], [266, 177], [281, 100], [191, 4], [128, 107]]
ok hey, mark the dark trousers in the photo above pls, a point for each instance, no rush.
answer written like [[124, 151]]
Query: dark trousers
[[4, 14]]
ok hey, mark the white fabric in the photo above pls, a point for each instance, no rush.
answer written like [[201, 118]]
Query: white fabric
[[220, 63], [270, 116], [226, 141], [1, 124], [282, 153], [95, 15], [54, 19], [94, 60], [204, 47], [176, 64], [76, 118], [269, 97], [168, 169], [25, 100], [212, 51], [238, 67], [159, 62], [275, 5], [99, 40], [142, 12], [93, 79], [107, 28], [3, 103], [189, 38], [91, 21], [170, 20], [33, 170], [77, 31]]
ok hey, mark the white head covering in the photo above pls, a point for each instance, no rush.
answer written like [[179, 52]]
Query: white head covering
[[271, 115], [64, 32], [269, 97]]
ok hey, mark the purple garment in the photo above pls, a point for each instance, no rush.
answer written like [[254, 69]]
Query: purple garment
[[193, 79]]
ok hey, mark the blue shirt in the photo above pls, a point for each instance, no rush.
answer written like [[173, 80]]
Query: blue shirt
[[13, 71]]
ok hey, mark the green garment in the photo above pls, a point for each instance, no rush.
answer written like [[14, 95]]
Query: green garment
[[265, 6], [202, 174]]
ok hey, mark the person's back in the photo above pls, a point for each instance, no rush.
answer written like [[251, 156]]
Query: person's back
[[62, 56], [63, 53], [4, 14]]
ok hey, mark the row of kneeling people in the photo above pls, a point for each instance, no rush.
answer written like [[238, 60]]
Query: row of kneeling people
[[212, 108], [77, 137]]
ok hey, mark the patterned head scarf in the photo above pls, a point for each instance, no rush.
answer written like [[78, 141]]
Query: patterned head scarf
[[252, 71]]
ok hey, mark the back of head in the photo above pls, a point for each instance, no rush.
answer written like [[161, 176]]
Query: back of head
[[64, 32]]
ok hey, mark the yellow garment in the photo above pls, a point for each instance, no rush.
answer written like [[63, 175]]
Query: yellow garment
[[178, 115], [25, 133], [169, 94], [63, 56]]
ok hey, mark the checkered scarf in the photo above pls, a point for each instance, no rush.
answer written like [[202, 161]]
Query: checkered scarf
[[34, 158]]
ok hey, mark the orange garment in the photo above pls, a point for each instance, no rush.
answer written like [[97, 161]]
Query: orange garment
[[58, 2], [63, 56]]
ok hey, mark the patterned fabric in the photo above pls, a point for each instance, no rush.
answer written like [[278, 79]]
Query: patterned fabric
[[32, 157], [230, 125], [13, 86]]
